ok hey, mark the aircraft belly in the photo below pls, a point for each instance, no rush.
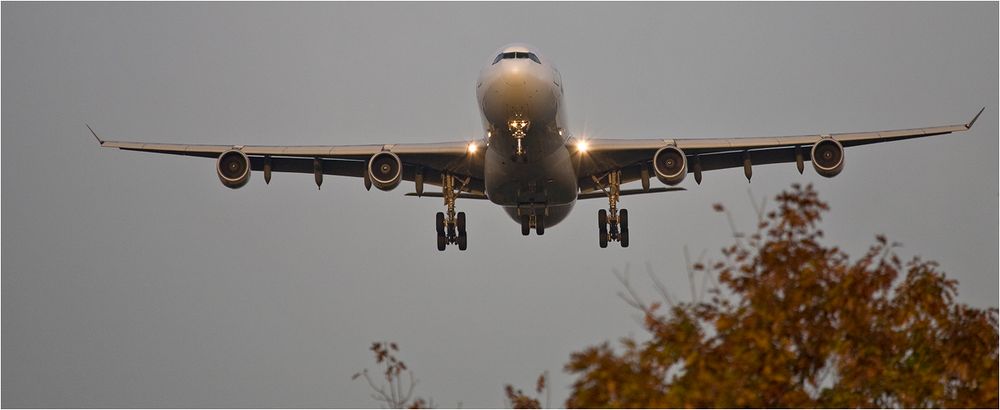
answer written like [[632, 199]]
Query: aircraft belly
[[548, 181], [555, 214]]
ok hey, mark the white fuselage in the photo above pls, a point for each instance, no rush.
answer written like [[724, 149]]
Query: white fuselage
[[543, 176]]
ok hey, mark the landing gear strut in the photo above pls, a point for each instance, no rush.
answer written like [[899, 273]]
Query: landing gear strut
[[450, 226], [612, 224]]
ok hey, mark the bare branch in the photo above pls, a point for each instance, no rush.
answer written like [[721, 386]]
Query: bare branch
[[413, 383], [382, 395], [632, 298], [690, 272], [391, 393], [759, 210], [660, 287]]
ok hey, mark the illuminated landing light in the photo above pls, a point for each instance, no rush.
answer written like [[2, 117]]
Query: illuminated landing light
[[473, 148], [581, 146]]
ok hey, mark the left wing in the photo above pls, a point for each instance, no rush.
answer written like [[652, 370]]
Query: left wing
[[634, 156], [430, 160]]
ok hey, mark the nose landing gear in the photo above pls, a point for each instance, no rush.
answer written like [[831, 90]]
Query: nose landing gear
[[518, 127], [612, 224], [450, 226]]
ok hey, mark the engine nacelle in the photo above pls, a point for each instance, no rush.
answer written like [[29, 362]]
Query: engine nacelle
[[385, 170], [233, 168], [670, 165], [828, 157]]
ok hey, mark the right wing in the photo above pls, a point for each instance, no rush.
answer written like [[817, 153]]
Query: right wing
[[430, 160]]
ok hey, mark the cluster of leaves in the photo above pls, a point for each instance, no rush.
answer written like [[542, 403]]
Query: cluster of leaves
[[793, 323], [394, 393], [517, 399]]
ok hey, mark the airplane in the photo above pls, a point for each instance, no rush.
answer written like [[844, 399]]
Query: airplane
[[527, 161]]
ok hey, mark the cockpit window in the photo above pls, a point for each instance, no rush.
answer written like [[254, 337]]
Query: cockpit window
[[516, 54]]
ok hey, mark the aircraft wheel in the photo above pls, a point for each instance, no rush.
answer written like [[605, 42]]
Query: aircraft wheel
[[439, 223], [463, 242], [602, 228], [525, 225], [540, 224], [442, 242], [623, 222], [461, 223]]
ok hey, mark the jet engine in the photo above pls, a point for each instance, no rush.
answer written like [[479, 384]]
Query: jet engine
[[233, 168], [385, 170], [670, 165], [828, 157]]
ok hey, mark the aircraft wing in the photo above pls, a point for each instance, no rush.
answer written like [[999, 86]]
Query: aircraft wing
[[430, 160], [633, 156]]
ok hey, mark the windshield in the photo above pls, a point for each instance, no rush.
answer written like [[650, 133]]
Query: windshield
[[517, 54]]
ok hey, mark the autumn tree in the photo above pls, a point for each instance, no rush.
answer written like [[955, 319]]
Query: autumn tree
[[394, 392], [791, 322]]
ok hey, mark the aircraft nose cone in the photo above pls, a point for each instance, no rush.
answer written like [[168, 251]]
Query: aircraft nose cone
[[519, 76], [517, 87]]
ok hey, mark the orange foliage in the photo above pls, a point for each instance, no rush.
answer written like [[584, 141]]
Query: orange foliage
[[794, 323]]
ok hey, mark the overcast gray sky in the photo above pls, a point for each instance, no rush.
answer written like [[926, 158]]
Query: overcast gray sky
[[138, 280]]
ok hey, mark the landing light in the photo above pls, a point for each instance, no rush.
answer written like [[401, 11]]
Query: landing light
[[581, 146], [473, 147]]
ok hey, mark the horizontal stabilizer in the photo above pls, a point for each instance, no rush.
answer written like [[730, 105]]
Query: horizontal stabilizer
[[601, 194], [462, 195], [587, 195]]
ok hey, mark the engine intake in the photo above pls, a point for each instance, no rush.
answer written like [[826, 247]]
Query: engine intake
[[670, 165], [828, 157], [385, 170], [233, 168]]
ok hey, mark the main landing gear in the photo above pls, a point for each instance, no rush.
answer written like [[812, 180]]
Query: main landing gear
[[451, 226], [532, 218], [612, 224]]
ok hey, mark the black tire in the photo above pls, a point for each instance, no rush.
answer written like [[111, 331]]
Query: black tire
[[463, 242], [442, 242], [461, 223], [602, 228], [540, 224], [525, 225], [623, 223], [439, 221]]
